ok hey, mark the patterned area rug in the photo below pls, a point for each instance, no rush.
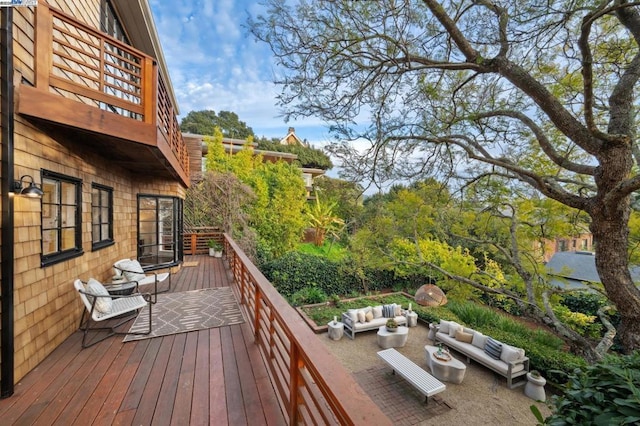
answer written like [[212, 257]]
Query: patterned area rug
[[400, 401], [188, 311], [188, 264]]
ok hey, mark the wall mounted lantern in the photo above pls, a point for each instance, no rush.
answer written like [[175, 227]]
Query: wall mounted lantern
[[31, 191]]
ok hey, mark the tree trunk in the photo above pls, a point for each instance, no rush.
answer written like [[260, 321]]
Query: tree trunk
[[611, 236]]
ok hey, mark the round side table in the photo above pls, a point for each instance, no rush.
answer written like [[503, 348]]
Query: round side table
[[335, 329], [412, 319]]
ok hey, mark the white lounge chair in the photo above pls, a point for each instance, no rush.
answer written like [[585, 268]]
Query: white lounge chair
[[133, 271], [101, 306]]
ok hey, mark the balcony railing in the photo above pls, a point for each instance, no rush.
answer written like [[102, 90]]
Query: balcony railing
[[196, 240], [312, 387], [79, 63]]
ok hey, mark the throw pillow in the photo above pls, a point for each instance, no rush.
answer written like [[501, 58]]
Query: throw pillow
[[377, 311], [353, 315], [464, 337], [397, 310], [493, 348], [388, 311], [368, 316], [479, 340], [361, 315], [453, 328], [510, 353], [132, 270], [444, 326], [103, 304]]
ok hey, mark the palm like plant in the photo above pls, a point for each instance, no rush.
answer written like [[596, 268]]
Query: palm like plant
[[323, 221]]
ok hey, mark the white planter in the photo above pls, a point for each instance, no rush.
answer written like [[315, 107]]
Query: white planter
[[212, 252], [217, 253], [534, 388]]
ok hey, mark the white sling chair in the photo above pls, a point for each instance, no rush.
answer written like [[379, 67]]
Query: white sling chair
[[101, 306], [132, 271]]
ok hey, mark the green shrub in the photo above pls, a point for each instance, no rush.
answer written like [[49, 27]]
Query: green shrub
[[308, 296], [605, 393], [473, 314], [294, 271], [543, 338]]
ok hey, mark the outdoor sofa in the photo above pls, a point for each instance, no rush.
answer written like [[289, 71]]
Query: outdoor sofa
[[371, 318], [506, 360]]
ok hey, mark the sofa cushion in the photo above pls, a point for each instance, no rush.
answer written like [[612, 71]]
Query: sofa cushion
[[479, 340], [397, 310], [454, 327], [353, 315], [479, 354], [368, 316], [444, 326], [510, 353], [464, 337], [376, 323], [493, 348], [377, 311]]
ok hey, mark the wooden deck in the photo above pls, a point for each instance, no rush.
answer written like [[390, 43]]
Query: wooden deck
[[215, 376]]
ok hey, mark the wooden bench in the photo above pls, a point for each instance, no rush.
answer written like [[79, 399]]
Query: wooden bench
[[420, 379]]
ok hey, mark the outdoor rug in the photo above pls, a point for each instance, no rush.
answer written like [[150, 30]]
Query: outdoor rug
[[400, 401], [187, 264], [188, 311]]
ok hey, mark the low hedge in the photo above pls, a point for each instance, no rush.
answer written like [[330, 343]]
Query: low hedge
[[295, 271]]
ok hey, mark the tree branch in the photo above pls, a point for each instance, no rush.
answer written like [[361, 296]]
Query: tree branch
[[543, 141]]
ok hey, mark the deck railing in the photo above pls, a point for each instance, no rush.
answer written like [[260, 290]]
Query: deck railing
[[311, 384], [79, 62], [196, 240]]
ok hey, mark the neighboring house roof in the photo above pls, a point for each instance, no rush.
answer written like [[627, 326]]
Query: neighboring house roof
[[291, 138], [236, 145], [577, 268]]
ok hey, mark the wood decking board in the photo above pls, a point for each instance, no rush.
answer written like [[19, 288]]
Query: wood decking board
[[213, 376], [217, 394], [199, 393], [233, 390]]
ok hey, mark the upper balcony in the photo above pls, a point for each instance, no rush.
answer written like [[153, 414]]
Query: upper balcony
[[87, 83]]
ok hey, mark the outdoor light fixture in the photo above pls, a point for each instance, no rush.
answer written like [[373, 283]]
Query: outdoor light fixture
[[31, 191]]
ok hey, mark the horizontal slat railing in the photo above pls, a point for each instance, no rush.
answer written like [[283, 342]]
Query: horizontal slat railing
[[79, 62], [196, 241], [311, 384], [97, 69]]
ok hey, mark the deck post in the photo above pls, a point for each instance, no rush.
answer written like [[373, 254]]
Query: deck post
[[294, 375]]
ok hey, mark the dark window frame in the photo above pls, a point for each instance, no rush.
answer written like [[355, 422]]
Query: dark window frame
[[103, 241], [60, 255], [110, 22], [176, 238]]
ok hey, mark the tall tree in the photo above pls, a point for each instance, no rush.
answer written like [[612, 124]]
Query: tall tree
[[204, 122], [540, 93]]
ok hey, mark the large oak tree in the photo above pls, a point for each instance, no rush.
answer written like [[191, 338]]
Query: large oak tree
[[540, 92]]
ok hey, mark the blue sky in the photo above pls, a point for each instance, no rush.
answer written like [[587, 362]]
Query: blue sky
[[214, 64]]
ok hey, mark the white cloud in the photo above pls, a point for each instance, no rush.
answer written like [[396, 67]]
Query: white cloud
[[214, 64]]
